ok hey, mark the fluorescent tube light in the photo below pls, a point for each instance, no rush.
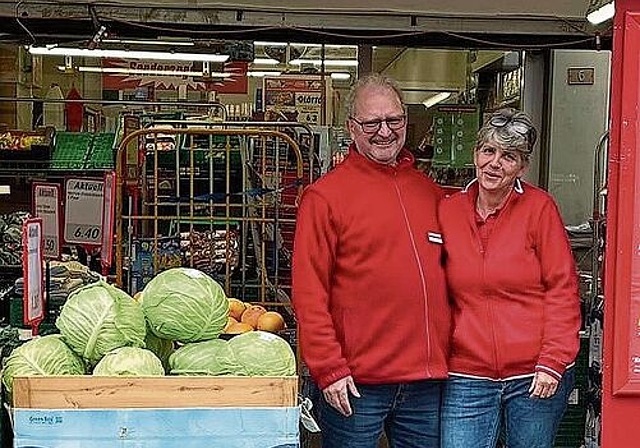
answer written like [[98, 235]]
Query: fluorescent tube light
[[435, 99], [260, 74], [168, 43], [270, 44], [339, 75], [135, 71], [332, 62], [603, 13], [5, 189], [124, 54], [265, 61]]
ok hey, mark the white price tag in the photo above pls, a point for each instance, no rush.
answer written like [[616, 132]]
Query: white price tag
[[83, 211], [46, 199]]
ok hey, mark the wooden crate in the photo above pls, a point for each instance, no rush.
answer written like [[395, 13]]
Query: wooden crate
[[95, 392]]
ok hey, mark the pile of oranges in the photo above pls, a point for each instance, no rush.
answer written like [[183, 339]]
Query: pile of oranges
[[245, 317]]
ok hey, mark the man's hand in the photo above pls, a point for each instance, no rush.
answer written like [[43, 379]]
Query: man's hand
[[337, 395], [543, 385]]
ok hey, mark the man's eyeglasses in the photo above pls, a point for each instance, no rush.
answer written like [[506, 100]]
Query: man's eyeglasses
[[373, 126], [517, 125]]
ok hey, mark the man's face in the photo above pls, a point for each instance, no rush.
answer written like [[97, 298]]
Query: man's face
[[378, 105]]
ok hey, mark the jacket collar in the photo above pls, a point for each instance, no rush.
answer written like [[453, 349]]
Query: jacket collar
[[518, 186]]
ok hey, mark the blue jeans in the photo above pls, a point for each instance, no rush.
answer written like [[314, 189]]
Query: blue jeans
[[476, 412], [409, 413]]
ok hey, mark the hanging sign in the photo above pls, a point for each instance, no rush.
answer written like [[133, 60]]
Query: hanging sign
[[32, 256], [84, 200], [46, 204], [106, 252], [303, 96]]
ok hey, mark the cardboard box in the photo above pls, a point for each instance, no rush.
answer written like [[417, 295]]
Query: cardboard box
[[156, 412]]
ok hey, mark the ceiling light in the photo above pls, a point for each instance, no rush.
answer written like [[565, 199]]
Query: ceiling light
[[260, 74], [265, 61], [147, 72], [333, 62], [338, 75], [270, 44], [601, 11], [124, 54], [5, 189], [169, 43], [435, 99]]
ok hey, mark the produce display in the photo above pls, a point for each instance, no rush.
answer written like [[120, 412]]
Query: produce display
[[172, 327]]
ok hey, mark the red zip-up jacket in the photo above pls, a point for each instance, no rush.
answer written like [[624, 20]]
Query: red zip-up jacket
[[368, 288], [515, 303]]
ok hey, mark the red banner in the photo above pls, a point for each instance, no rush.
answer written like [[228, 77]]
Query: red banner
[[137, 73]]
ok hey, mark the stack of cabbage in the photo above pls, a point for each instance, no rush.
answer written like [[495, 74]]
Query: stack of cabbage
[[106, 332]]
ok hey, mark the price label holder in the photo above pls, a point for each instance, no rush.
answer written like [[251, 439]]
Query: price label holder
[[32, 264], [47, 206], [106, 250], [84, 207]]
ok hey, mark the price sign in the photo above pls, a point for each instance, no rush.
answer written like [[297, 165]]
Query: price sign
[[46, 203], [84, 200], [32, 256]]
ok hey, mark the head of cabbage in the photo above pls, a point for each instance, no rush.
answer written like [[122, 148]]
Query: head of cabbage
[[129, 361], [262, 353], [99, 318], [185, 305], [47, 355], [213, 357]]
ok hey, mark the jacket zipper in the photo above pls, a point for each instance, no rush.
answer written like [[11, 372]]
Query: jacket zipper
[[419, 265]]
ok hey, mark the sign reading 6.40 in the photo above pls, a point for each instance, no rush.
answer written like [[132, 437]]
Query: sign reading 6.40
[[83, 211]]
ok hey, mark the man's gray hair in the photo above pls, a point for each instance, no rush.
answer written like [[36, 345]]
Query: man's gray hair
[[369, 80]]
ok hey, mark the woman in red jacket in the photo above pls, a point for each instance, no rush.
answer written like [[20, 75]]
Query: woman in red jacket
[[515, 303]]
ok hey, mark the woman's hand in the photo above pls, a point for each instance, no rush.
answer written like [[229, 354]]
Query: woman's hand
[[543, 385]]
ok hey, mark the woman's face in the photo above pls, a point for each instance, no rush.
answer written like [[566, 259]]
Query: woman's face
[[497, 168]]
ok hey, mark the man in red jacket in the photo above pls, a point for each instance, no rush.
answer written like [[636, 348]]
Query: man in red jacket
[[368, 289]]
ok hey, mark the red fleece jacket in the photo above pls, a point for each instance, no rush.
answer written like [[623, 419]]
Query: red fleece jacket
[[516, 307], [368, 289]]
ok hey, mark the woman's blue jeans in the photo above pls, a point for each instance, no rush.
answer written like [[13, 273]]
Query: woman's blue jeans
[[409, 413], [476, 412]]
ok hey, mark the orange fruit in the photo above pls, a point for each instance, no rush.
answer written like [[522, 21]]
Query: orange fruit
[[230, 321], [271, 321], [251, 315], [236, 308], [238, 327]]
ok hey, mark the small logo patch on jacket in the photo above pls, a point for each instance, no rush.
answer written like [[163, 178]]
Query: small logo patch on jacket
[[433, 237]]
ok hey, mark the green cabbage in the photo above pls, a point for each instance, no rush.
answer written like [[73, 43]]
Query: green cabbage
[[129, 361], [162, 348], [263, 354], [213, 357], [99, 318], [47, 355], [186, 305]]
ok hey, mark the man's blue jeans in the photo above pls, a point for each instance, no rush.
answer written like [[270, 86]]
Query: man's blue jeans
[[475, 412], [409, 413]]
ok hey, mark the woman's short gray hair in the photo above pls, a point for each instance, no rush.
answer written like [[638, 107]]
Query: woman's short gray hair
[[371, 79], [509, 128]]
